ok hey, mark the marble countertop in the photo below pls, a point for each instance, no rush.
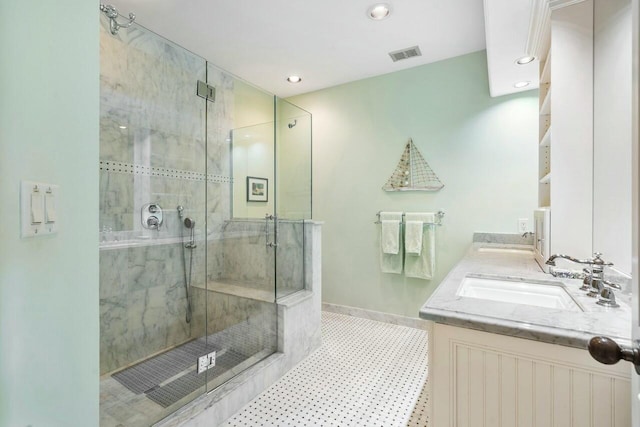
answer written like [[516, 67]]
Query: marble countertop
[[556, 326]]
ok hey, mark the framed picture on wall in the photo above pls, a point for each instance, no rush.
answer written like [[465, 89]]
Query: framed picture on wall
[[257, 189]]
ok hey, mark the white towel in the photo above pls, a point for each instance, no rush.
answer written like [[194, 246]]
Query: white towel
[[413, 237], [391, 262], [422, 266], [390, 240]]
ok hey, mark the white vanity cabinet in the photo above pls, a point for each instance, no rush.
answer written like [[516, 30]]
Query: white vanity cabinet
[[484, 379]]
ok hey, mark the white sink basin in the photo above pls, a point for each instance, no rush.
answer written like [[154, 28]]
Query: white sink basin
[[515, 291]]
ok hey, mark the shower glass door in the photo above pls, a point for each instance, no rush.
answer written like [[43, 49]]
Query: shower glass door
[[241, 308], [153, 181]]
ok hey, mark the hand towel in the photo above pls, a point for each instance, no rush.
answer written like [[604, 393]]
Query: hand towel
[[422, 266], [391, 262], [390, 236], [413, 237]]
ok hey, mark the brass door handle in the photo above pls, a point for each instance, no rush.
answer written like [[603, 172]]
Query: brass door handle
[[607, 351]]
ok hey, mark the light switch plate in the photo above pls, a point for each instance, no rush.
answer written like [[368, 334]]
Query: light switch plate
[[36, 192]]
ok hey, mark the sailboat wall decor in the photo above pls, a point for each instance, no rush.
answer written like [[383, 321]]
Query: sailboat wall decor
[[413, 173]]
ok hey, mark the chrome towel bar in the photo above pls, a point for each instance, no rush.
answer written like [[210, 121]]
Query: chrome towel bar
[[439, 216]]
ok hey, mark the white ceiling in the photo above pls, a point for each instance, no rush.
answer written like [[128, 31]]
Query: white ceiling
[[507, 26], [327, 42]]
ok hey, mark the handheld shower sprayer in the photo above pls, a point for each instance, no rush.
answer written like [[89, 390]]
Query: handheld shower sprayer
[[191, 225]]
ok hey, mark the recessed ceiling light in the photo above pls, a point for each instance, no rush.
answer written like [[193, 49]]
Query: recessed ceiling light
[[521, 84], [379, 11], [122, 127], [525, 60], [294, 79]]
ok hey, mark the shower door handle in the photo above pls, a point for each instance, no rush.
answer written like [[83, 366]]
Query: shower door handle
[[268, 217]]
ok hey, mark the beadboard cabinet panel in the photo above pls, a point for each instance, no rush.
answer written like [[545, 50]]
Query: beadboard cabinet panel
[[481, 379]]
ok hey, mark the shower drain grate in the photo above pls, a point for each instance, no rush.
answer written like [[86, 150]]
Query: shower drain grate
[[184, 385], [169, 377], [149, 374]]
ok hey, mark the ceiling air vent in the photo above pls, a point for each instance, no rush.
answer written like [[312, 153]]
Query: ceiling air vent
[[407, 53]]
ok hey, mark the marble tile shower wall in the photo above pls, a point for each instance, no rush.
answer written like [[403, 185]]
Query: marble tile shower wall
[[143, 302], [152, 141], [143, 299], [290, 261], [246, 325], [248, 260]]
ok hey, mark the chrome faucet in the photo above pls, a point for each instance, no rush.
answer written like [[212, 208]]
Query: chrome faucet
[[571, 274], [552, 259], [593, 281]]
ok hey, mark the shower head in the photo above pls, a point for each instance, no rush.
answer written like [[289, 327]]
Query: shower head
[[295, 122], [189, 223]]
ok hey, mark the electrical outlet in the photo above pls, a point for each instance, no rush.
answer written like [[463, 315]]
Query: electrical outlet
[[523, 225], [207, 361]]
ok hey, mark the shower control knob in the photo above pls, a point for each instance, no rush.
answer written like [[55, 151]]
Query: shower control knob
[[151, 216], [153, 222]]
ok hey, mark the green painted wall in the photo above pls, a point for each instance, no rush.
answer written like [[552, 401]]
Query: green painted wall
[[49, 81], [483, 149], [293, 160]]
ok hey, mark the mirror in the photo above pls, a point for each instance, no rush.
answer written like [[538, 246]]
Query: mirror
[[612, 89]]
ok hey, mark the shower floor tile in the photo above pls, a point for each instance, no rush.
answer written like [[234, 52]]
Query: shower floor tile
[[366, 373]]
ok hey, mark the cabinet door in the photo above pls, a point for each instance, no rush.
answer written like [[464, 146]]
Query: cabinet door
[[487, 380]]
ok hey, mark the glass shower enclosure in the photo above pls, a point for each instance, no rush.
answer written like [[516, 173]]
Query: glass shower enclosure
[[205, 186]]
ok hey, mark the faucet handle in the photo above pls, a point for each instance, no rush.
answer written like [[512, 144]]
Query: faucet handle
[[607, 298], [612, 285], [153, 223], [597, 260]]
